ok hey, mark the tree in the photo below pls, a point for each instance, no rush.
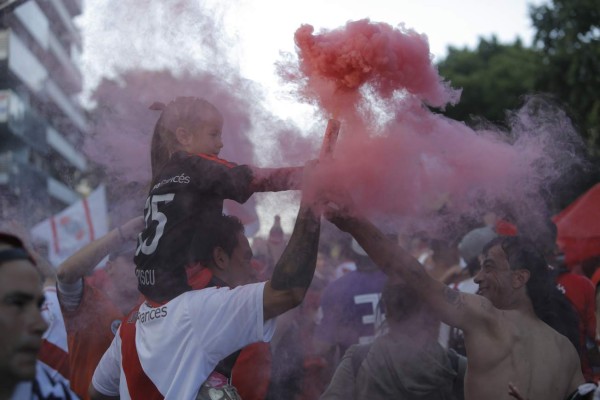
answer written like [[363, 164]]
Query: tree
[[568, 37], [493, 78]]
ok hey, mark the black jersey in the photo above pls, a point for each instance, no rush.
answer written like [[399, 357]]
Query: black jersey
[[189, 192]]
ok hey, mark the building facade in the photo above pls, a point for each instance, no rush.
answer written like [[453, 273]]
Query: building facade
[[42, 124]]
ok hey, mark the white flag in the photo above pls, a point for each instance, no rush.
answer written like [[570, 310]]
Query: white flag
[[74, 227]]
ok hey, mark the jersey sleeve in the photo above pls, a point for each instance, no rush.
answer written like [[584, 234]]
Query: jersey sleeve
[[221, 178], [108, 372], [276, 179]]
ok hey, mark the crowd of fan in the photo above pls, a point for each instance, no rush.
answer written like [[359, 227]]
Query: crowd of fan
[[331, 346]]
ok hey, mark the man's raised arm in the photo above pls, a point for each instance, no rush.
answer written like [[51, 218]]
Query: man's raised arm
[[83, 261], [453, 307], [294, 271]]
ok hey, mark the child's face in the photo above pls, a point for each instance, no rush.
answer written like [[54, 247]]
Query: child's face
[[206, 138]]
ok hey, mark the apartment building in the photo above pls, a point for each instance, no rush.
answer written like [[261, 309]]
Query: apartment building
[[42, 124]]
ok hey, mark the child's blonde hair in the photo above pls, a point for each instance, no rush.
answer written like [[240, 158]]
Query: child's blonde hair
[[185, 112]]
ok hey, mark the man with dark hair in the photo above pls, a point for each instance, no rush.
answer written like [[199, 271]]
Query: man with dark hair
[[224, 241], [22, 327], [221, 258], [169, 349], [507, 340], [548, 303]]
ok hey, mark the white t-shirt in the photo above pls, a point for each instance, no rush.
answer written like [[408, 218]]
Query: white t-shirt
[[180, 343]]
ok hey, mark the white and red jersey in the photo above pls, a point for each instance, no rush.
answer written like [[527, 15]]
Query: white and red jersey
[[54, 350], [178, 344]]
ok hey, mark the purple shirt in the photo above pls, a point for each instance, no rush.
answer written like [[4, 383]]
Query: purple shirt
[[349, 305]]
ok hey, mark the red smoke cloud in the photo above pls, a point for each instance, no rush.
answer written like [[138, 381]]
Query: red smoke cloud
[[338, 63], [398, 158]]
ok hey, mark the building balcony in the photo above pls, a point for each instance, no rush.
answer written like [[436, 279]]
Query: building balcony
[[19, 61], [29, 20], [20, 124], [61, 192], [21, 178], [21, 128], [75, 7], [58, 143], [56, 10]]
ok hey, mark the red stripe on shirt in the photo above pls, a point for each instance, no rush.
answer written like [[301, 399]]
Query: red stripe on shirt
[[55, 357], [216, 159], [138, 383]]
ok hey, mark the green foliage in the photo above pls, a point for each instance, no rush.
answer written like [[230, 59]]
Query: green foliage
[[564, 62], [493, 78], [568, 36]]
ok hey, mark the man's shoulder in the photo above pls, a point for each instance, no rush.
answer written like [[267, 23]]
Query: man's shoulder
[[217, 293], [564, 343], [552, 339]]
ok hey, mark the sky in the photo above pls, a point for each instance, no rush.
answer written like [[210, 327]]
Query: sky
[[446, 23], [257, 32]]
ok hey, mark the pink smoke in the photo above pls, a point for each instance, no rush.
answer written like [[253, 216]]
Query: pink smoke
[[397, 158], [337, 64]]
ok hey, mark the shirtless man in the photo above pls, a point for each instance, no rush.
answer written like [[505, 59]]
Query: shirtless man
[[505, 338]]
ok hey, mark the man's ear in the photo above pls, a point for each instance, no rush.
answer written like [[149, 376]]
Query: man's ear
[[109, 267], [220, 257], [183, 136], [521, 277]]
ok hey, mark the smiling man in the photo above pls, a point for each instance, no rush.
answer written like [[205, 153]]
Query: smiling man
[[508, 333]]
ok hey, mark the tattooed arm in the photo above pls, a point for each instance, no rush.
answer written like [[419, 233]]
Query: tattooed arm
[[294, 271], [455, 308]]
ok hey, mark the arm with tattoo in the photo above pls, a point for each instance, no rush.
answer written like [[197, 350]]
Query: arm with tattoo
[[294, 271], [296, 266]]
